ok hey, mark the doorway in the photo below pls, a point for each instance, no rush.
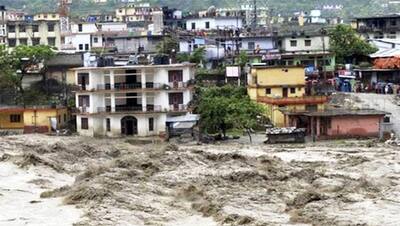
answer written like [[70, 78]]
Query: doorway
[[129, 126], [285, 92]]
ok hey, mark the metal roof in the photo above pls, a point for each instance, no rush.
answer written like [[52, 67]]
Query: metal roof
[[386, 53]]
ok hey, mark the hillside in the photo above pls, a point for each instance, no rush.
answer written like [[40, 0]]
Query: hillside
[[351, 8]]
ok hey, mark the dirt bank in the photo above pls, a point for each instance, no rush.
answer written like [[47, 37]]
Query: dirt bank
[[117, 182]]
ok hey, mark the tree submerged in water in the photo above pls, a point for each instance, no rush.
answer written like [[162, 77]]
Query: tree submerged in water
[[225, 108]]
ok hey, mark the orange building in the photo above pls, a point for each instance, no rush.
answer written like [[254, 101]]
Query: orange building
[[32, 119]]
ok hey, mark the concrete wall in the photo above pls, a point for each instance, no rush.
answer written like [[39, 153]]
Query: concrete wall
[[316, 43], [215, 23], [279, 76], [363, 126], [5, 122]]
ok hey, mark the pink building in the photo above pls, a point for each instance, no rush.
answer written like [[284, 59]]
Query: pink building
[[338, 123]]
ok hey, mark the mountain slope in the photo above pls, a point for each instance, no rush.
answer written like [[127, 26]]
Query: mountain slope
[[351, 8]]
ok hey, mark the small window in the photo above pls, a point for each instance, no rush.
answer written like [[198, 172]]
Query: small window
[[386, 119], [22, 28], [193, 26], [86, 46], [292, 90], [35, 41], [251, 45], [65, 117], [207, 25], [293, 43], [80, 27], [35, 28], [151, 124], [12, 42], [268, 91], [307, 42], [84, 123], [23, 41], [108, 125], [50, 27], [11, 28], [15, 118], [80, 46], [51, 41], [95, 40]]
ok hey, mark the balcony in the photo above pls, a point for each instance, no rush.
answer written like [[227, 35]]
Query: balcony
[[293, 100], [130, 109], [130, 86], [177, 85], [135, 86]]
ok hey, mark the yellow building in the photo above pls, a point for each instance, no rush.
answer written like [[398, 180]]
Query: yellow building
[[35, 119], [282, 88]]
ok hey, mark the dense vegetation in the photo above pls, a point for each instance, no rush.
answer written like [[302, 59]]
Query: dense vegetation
[[351, 8]]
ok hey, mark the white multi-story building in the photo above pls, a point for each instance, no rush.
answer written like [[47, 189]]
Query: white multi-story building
[[3, 25], [131, 100], [87, 35]]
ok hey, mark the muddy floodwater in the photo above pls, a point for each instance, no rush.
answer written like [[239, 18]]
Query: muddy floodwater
[[115, 182]]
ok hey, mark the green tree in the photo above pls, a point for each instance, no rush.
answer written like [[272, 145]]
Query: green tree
[[167, 46], [346, 44], [198, 55], [21, 61], [227, 107]]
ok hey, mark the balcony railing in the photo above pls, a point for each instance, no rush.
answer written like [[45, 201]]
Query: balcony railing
[[178, 108], [293, 100], [133, 109], [178, 85], [131, 86]]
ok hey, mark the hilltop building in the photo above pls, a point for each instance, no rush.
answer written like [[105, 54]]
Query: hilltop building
[[42, 28]]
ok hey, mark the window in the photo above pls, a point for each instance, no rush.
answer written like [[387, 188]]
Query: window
[[292, 90], [15, 118], [80, 29], [51, 41], [86, 46], [108, 124], [251, 46], [35, 41], [151, 124], [84, 123], [193, 26], [11, 28], [307, 42], [83, 101], [22, 28], [65, 117], [95, 40], [207, 25], [175, 76], [12, 42], [293, 43], [50, 27], [392, 35], [35, 28], [268, 91], [80, 46], [23, 41], [312, 107]]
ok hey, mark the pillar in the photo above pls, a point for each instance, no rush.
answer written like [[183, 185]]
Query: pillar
[[143, 78], [112, 102], [112, 81], [144, 102]]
